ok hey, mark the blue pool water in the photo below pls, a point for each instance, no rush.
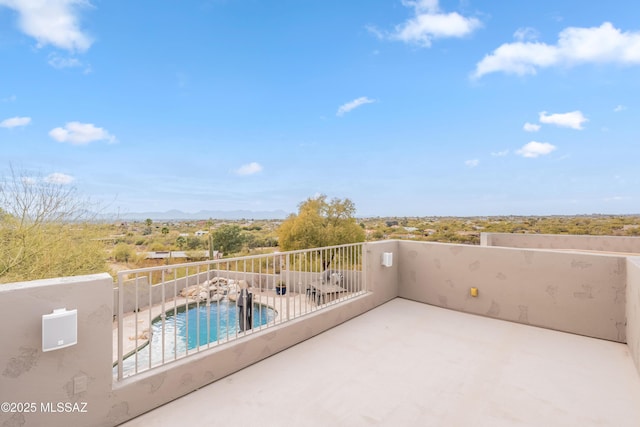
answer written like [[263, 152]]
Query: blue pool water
[[188, 329], [201, 326]]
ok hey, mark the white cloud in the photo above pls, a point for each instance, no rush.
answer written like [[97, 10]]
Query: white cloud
[[427, 26], [500, 153], [77, 133], [60, 62], [429, 23], [9, 98], [422, 5], [535, 149], [15, 122], [472, 163], [526, 33], [57, 61], [603, 44], [619, 108], [59, 178], [573, 119], [52, 22], [531, 127], [249, 169], [376, 32], [351, 105]]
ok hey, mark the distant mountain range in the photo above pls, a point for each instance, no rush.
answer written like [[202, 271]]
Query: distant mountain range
[[179, 215]]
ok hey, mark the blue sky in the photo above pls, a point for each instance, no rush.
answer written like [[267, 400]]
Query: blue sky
[[410, 108]]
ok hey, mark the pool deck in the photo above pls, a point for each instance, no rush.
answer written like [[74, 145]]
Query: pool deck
[[407, 363]]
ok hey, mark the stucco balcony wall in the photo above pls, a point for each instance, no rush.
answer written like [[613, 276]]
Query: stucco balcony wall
[[29, 375], [581, 293], [633, 308], [623, 244]]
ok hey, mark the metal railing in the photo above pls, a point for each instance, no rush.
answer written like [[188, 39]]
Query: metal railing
[[169, 312]]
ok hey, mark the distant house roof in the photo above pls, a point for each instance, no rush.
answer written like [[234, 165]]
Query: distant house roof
[[180, 254]]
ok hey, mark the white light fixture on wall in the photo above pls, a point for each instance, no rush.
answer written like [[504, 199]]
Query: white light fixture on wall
[[387, 259], [59, 329]]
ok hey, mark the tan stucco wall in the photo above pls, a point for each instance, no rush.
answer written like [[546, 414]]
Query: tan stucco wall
[[624, 244], [574, 292], [633, 308], [29, 375], [383, 281]]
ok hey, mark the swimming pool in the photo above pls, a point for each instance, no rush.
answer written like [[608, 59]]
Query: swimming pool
[[196, 327]]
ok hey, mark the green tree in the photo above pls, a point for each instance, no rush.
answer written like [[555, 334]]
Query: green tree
[[194, 243], [45, 230], [320, 222], [228, 239], [165, 231]]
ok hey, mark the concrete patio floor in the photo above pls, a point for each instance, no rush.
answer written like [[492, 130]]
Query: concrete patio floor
[[411, 364]]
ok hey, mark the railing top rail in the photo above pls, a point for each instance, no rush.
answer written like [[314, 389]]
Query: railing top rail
[[323, 248], [234, 259]]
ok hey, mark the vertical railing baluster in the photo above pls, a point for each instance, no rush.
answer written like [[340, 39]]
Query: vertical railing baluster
[[198, 306], [258, 278], [287, 281], [150, 318], [236, 323], [175, 313], [208, 314], [136, 311], [162, 318], [346, 272], [354, 270], [228, 273], [186, 317], [162, 311], [218, 299], [120, 325]]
